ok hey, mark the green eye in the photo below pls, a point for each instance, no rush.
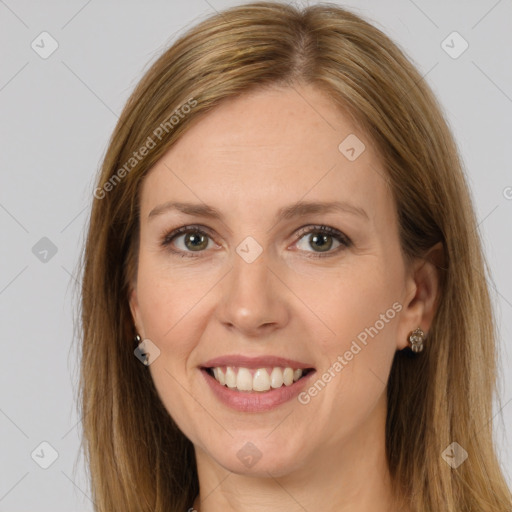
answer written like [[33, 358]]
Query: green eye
[[196, 240]]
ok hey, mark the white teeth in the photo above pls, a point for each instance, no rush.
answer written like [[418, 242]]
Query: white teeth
[[288, 376], [244, 380], [230, 377], [261, 381], [276, 378]]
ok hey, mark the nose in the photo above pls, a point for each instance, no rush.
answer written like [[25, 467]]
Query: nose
[[254, 298]]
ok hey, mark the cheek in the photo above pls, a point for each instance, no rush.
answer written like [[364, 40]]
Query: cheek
[[362, 315], [352, 302], [352, 381], [170, 309], [167, 296]]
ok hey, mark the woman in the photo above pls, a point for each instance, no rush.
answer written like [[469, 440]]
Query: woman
[[282, 234]]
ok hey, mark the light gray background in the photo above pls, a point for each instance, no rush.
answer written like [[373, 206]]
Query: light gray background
[[57, 116]]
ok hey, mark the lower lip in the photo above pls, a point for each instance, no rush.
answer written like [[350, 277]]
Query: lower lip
[[256, 401]]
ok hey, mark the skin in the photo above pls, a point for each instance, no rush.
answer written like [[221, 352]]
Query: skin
[[248, 158]]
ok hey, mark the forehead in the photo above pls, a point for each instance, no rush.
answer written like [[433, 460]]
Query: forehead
[[267, 149]]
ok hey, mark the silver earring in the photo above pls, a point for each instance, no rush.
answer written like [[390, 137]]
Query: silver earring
[[416, 339], [140, 353]]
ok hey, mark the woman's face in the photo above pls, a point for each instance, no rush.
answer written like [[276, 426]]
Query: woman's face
[[261, 280]]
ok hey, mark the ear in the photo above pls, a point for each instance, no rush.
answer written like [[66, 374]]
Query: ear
[[422, 294], [134, 308]]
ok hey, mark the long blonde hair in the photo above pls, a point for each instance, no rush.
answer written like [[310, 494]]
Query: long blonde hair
[[138, 459]]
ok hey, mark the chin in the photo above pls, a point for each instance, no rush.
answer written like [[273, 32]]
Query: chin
[[259, 458]]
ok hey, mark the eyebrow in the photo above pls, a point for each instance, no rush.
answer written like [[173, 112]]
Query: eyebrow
[[298, 209]]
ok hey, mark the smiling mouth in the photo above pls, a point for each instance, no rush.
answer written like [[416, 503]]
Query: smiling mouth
[[256, 380]]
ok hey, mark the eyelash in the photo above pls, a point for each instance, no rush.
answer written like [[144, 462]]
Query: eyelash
[[345, 242]]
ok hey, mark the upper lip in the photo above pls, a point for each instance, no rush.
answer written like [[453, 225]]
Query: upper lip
[[255, 362]]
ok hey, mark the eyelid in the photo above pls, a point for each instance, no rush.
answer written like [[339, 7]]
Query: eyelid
[[329, 230], [168, 236], [345, 242]]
